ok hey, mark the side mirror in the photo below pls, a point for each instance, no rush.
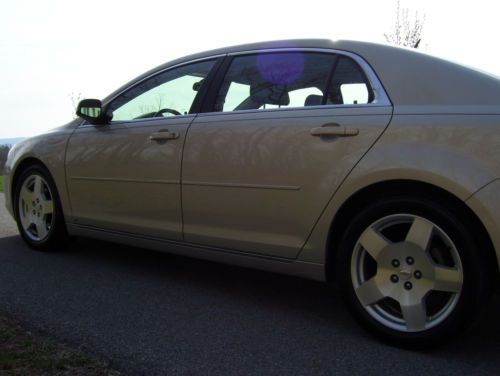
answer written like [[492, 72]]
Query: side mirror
[[91, 110]]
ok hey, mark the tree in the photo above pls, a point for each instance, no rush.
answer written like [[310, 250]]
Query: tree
[[75, 99], [407, 32]]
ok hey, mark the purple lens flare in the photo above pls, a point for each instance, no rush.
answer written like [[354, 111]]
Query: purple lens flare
[[280, 68]]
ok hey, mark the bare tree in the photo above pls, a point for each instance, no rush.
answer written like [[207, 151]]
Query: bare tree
[[407, 32], [75, 99]]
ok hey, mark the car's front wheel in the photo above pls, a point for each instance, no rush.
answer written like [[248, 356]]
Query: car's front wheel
[[37, 209], [412, 271]]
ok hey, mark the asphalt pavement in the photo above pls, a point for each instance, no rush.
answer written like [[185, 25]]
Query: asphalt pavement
[[151, 313]]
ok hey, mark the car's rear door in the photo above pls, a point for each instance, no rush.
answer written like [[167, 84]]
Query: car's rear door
[[283, 134], [125, 176]]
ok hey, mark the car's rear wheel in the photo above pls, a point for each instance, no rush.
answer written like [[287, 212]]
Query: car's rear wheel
[[412, 271], [37, 209]]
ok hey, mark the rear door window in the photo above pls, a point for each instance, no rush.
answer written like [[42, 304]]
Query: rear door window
[[349, 84], [275, 80]]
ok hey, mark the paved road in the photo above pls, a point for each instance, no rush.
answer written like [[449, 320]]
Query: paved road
[[155, 314]]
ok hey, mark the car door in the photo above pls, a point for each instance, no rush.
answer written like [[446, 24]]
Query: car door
[[286, 129], [125, 176]]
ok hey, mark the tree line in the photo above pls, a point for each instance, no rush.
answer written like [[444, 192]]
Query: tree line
[[4, 151]]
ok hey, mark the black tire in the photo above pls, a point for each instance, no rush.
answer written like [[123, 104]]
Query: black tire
[[56, 235], [462, 307]]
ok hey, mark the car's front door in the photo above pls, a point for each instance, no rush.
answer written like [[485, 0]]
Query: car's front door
[[125, 176], [285, 132]]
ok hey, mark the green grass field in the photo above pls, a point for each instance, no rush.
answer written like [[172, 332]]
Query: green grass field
[[1, 183]]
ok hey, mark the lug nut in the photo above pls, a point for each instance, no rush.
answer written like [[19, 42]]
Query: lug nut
[[417, 274], [394, 278], [409, 260], [395, 263], [408, 285]]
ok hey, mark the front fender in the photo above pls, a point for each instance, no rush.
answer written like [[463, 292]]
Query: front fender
[[48, 149]]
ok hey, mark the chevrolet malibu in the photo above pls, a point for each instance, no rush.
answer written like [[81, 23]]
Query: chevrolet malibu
[[373, 167]]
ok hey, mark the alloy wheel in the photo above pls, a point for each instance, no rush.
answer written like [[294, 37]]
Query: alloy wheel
[[406, 272], [36, 207]]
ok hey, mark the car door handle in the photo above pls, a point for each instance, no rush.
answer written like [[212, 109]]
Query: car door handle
[[334, 129], [164, 135]]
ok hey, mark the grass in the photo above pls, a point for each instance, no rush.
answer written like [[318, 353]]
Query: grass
[[1, 183], [26, 354]]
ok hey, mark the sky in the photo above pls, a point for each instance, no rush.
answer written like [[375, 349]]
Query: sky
[[53, 50]]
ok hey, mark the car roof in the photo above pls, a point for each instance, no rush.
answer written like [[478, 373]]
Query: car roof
[[413, 80]]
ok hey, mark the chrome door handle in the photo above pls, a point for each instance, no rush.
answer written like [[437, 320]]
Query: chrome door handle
[[164, 135], [334, 129]]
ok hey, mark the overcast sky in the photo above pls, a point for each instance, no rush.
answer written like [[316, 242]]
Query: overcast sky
[[52, 48]]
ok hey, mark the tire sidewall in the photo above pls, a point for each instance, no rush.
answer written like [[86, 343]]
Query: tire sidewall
[[474, 288]]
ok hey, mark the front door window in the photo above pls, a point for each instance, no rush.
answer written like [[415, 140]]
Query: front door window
[[170, 93]]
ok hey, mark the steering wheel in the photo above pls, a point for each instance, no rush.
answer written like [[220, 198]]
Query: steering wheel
[[166, 110]]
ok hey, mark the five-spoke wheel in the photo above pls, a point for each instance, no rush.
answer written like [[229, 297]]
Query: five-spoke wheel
[[406, 272], [412, 270], [36, 207], [38, 213]]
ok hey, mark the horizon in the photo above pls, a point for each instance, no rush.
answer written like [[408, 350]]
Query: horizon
[[11, 141]]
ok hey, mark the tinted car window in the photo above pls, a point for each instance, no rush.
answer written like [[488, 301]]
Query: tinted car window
[[275, 80], [349, 84], [167, 94]]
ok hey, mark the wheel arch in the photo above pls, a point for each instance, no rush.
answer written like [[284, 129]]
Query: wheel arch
[[411, 188]]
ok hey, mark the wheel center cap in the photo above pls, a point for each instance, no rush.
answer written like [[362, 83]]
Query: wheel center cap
[[405, 274]]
